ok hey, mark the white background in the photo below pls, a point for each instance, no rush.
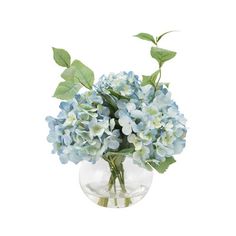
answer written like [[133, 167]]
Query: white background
[[38, 195]]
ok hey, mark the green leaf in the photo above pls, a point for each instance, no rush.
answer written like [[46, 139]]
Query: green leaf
[[126, 151], [61, 57], [146, 36], [158, 38], [83, 74], [150, 79], [69, 74], [148, 166], [162, 166], [117, 95], [146, 80], [109, 101], [162, 55], [66, 90]]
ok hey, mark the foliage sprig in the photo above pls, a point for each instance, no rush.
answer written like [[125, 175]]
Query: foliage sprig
[[161, 55]]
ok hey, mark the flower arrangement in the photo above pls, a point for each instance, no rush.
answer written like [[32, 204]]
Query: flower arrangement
[[118, 117]]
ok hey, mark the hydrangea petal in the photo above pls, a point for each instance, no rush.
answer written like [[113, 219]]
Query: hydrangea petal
[[126, 130]]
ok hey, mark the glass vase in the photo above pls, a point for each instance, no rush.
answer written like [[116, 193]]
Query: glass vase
[[114, 182]]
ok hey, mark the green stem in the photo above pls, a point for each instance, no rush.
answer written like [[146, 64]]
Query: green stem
[[115, 199], [112, 182], [156, 85], [103, 201], [117, 172], [120, 176], [159, 77], [127, 200]]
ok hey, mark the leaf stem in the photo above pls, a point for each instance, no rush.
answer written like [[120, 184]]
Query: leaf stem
[[159, 77]]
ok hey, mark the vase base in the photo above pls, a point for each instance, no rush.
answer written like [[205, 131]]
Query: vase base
[[102, 196]]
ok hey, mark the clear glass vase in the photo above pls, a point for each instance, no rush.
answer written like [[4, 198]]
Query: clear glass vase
[[114, 182]]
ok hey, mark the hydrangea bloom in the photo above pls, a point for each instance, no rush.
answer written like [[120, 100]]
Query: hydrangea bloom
[[83, 129], [119, 112]]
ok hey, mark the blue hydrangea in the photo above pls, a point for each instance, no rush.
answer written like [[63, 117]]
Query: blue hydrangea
[[150, 119], [118, 112], [83, 129], [125, 84]]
